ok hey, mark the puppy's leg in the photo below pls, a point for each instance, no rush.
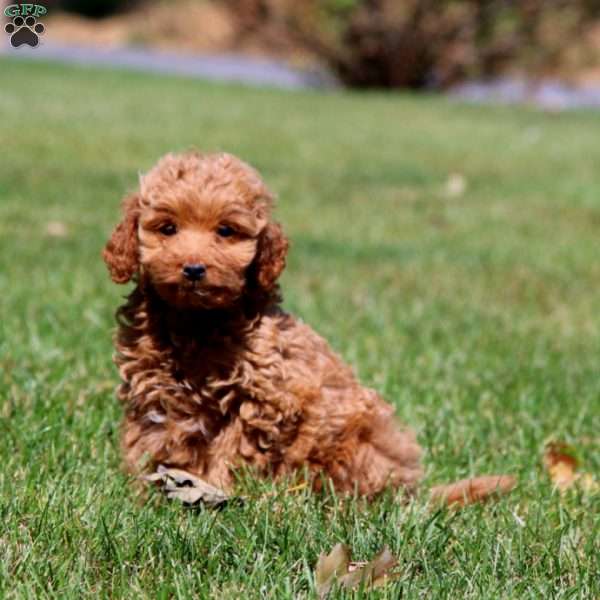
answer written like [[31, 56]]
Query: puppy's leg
[[163, 425], [224, 456]]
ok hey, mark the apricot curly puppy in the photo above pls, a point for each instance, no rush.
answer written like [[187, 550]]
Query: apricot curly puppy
[[214, 373]]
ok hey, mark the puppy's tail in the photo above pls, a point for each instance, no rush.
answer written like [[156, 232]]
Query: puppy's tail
[[474, 489]]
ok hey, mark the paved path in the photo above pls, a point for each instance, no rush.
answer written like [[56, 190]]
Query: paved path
[[221, 67], [549, 94]]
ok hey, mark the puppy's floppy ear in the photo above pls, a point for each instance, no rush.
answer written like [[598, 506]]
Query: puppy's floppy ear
[[121, 251], [269, 261]]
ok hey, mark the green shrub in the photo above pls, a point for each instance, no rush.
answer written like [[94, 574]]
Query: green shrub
[[428, 43]]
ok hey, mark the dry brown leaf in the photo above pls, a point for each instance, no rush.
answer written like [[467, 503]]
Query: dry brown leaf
[[329, 566], [561, 463], [373, 573], [187, 488], [358, 564], [336, 567]]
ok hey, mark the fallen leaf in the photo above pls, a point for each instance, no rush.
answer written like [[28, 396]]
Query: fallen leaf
[[374, 573], [329, 566], [187, 488], [561, 463], [356, 565], [335, 566], [56, 229], [456, 185]]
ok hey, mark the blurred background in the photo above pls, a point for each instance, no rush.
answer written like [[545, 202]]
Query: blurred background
[[543, 51]]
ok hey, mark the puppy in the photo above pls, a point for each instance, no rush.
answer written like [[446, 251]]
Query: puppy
[[215, 375]]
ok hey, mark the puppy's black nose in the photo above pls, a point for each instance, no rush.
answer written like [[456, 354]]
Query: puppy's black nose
[[194, 272]]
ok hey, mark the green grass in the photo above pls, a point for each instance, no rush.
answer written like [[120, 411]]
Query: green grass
[[477, 315]]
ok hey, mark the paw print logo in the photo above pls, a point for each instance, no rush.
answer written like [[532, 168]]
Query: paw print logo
[[24, 31]]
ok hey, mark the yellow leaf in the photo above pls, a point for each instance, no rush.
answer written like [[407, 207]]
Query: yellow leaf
[[562, 475], [561, 463]]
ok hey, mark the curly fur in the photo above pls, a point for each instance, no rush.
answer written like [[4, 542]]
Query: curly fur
[[214, 374]]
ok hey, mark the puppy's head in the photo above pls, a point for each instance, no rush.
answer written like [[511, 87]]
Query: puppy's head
[[199, 231]]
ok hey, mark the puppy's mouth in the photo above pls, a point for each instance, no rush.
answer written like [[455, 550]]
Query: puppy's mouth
[[197, 294], [199, 288], [202, 289]]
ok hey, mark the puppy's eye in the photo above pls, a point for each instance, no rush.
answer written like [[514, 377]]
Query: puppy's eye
[[225, 231], [168, 228]]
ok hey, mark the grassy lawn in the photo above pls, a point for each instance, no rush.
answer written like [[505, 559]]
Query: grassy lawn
[[477, 313]]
